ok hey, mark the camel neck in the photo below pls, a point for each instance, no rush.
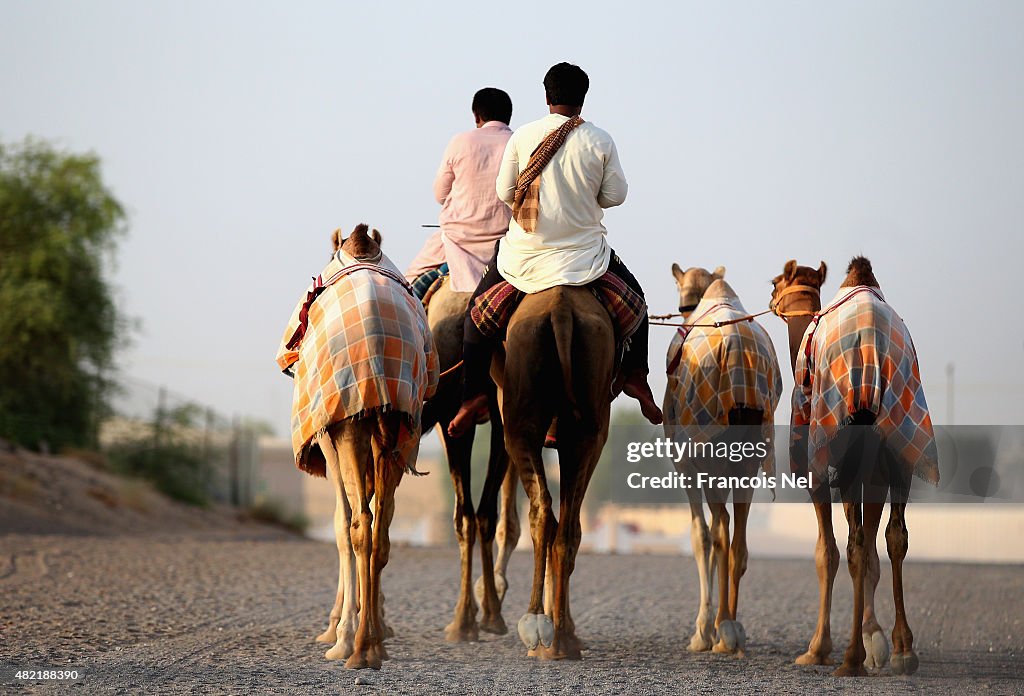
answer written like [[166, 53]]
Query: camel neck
[[797, 326]]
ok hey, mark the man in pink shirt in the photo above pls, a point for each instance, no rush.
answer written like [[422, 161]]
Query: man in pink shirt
[[472, 216]]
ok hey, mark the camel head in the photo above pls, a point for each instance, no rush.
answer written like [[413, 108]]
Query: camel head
[[363, 243], [859, 273], [692, 284], [796, 279]]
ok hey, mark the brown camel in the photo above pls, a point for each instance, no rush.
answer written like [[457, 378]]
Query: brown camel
[[739, 360], [867, 471], [445, 314], [365, 458], [559, 358]]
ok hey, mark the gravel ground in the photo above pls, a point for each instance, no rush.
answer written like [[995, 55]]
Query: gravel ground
[[236, 612]]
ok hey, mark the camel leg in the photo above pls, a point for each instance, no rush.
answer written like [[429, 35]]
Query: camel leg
[[463, 626], [826, 560], [738, 567], [535, 627], [486, 519], [700, 541], [352, 442], [853, 658], [387, 476], [875, 643], [904, 659], [507, 535], [720, 543], [577, 460], [345, 615], [330, 635]]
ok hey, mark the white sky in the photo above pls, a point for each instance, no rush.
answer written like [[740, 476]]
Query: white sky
[[238, 135]]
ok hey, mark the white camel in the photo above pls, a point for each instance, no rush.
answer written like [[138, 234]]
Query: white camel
[[723, 386]]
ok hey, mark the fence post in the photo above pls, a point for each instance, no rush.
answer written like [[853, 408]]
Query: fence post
[[233, 456]]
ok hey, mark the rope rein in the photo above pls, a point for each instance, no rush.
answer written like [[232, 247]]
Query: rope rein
[[773, 308]]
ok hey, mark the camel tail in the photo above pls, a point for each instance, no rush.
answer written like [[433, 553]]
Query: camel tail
[[386, 436], [561, 325]]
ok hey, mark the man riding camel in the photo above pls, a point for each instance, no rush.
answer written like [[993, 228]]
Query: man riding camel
[[472, 216], [555, 236]]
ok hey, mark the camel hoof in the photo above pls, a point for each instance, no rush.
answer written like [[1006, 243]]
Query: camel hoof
[[703, 637], [453, 633], [364, 659], [536, 629], [527, 628], [342, 650], [569, 651], [699, 643], [331, 634], [813, 658], [732, 638], [379, 652], [727, 639], [495, 625], [904, 663], [846, 670], [877, 648]]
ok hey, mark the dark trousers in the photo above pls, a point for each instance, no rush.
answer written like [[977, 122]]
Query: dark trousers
[[477, 348]]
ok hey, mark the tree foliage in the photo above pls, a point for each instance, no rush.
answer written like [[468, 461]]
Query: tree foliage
[[59, 324]]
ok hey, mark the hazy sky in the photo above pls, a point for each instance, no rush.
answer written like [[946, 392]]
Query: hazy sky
[[238, 135]]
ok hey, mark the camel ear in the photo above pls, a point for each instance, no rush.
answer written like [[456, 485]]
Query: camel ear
[[677, 272], [336, 239], [375, 236], [789, 270], [719, 272], [822, 270]]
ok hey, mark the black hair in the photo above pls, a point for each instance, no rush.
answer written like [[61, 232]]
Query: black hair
[[566, 85], [492, 104]]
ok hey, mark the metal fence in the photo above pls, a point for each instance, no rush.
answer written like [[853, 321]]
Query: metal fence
[[157, 433]]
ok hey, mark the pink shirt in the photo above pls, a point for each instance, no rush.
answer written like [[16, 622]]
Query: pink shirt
[[472, 216]]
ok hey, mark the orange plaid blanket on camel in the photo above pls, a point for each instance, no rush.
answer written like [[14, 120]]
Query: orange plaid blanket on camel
[[858, 355], [714, 370], [366, 347]]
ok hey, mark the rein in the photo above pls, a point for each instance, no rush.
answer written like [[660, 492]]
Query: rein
[[659, 320], [773, 308]]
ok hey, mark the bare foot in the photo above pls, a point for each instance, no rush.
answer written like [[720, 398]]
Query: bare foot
[[470, 413], [636, 387]]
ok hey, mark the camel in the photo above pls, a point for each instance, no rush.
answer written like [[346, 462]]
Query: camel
[[742, 408], [865, 458], [366, 454], [559, 359], [445, 315]]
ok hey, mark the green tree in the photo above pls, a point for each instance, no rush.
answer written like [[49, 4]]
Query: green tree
[[59, 325]]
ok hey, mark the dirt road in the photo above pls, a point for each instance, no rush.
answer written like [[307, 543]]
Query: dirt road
[[236, 612]]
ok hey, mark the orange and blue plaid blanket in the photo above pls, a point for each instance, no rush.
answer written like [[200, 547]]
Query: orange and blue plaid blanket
[[714, 370], [366, 347], [856, 355], [492, 310]]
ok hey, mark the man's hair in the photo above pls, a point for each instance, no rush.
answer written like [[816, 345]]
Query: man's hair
[[492, 104], [566, 85]]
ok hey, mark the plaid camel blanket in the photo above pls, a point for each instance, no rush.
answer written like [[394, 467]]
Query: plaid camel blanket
[[366, 347], [856, 355], [714, 370], [492, 310]]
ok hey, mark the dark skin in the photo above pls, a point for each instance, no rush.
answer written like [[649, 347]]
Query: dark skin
[[475, 410]]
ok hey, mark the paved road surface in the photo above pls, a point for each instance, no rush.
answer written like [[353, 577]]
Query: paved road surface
[[237, 612]]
